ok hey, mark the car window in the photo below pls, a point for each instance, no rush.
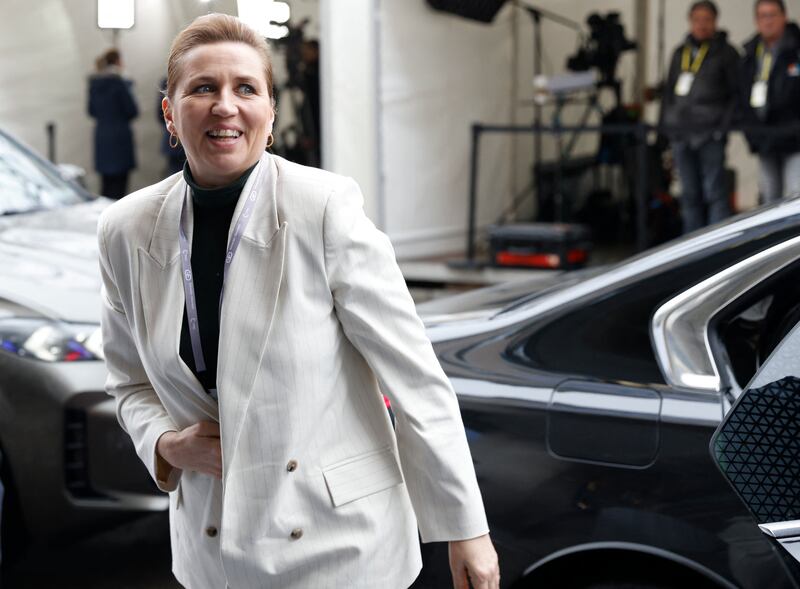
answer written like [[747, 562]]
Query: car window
[[607, 333], [749, 329], [28, 184]]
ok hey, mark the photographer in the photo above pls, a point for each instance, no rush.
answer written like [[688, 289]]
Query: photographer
[[700, 94]]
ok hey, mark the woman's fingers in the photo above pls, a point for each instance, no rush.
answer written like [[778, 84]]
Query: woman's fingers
[[476, 559], [199, 449]]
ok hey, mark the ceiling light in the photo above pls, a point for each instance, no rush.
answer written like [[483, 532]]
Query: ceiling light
[[115, 14]]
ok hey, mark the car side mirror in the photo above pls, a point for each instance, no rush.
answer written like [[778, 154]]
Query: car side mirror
[[72, 173]]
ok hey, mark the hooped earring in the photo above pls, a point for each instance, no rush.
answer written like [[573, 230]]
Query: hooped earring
[[177, 141], [270, 141]]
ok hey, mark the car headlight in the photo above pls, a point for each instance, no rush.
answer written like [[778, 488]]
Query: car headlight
[[50, 341]]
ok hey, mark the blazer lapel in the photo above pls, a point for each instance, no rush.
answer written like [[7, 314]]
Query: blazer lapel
[[250, 298], [161, 291]]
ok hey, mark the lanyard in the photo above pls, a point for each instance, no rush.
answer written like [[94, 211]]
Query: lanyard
[[693, 66], [186, 263], [766, 62]]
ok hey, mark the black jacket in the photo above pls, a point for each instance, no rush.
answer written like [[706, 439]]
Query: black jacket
[[111, 102], [783, 94], [712, 100]]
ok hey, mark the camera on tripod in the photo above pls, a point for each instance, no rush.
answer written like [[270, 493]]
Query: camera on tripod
[[603, 48]]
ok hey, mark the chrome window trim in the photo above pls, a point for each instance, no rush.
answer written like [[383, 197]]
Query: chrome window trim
[[680, 326]]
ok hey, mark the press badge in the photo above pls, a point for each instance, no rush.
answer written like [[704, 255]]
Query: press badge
[[758, 96], [684, 84]]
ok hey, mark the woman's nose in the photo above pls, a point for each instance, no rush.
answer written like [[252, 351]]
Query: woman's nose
[[225, 105]]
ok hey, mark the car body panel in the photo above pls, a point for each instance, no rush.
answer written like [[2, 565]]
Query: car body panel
[[576, 437]]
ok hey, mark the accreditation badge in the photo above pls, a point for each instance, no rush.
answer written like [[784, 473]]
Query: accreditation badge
[[758, 95], [684, 84]]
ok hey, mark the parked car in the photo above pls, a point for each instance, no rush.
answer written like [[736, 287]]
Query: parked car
[[66, 466], [589, 406]]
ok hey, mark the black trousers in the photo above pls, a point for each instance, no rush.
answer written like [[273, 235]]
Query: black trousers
[[115, 185]]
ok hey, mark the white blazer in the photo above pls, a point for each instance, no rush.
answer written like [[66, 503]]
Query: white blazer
[[318, 489]]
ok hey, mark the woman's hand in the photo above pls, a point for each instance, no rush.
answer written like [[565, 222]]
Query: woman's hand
[[195, 448], [476, 559]]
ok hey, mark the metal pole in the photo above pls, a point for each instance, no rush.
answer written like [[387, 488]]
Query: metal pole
[[51, 141], [473, 192], [537, 109], [642, 188]]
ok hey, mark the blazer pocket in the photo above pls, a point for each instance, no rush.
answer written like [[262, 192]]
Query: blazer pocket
[[362, 475]]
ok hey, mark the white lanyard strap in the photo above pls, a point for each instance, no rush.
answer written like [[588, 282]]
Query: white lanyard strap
[[186, 263]]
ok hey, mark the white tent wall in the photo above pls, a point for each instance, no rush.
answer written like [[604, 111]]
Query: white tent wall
[[48, 49], [439, 74], [349, 91]]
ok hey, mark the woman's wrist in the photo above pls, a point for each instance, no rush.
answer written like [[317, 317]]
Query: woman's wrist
[[165, 444]]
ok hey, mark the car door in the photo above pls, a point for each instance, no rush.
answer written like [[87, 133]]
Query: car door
[[757, 445]]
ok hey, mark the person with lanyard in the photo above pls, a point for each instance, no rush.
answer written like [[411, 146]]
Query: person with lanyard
[[698, 105], [252, 317], [770, 99]]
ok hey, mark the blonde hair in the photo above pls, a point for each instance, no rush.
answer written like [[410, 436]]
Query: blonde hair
[[215, 28]]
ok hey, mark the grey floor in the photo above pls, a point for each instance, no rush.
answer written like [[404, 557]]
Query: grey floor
[[135, 555]]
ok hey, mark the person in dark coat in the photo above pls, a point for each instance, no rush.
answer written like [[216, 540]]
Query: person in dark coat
[[112, 104], [770, 93], [701, 95]]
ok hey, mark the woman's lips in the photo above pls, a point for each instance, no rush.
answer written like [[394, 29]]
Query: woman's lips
[[224, 141]]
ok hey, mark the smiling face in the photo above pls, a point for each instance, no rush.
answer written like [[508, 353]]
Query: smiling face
[[220, 110]]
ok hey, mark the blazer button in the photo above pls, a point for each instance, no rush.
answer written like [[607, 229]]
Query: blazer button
[[211, 531], [291, 466], [297, 533]]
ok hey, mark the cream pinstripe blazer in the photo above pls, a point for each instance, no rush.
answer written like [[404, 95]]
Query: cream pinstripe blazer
[[315, 323]]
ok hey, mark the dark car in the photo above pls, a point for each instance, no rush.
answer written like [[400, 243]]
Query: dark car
[[589, 407], [66, 466]]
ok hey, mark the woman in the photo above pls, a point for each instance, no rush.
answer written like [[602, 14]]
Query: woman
[[111, 102], [280, 458]]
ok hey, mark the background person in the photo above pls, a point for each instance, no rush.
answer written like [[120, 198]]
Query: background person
[[282, 377], [770, 95], [113, 106], [701, 93]]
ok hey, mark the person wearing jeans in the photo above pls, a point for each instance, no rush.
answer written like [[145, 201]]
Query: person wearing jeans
[[704, 196], [699, 102], [770, 92]]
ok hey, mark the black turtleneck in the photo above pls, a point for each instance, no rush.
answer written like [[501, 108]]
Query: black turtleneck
[[213, 212]]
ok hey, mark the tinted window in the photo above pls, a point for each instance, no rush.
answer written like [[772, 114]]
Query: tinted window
[[27, 184], [750, 328], [607, 336]]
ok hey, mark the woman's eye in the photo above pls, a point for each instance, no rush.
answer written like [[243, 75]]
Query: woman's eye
[[246, 89], [203, 88]]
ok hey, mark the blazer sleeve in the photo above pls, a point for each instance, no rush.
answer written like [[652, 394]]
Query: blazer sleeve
[[139, 410], [378, 316]]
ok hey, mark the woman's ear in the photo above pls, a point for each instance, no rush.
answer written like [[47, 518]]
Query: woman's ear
[[166, 110]]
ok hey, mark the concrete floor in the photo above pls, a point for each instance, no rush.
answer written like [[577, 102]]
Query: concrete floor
[[135, 555]]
